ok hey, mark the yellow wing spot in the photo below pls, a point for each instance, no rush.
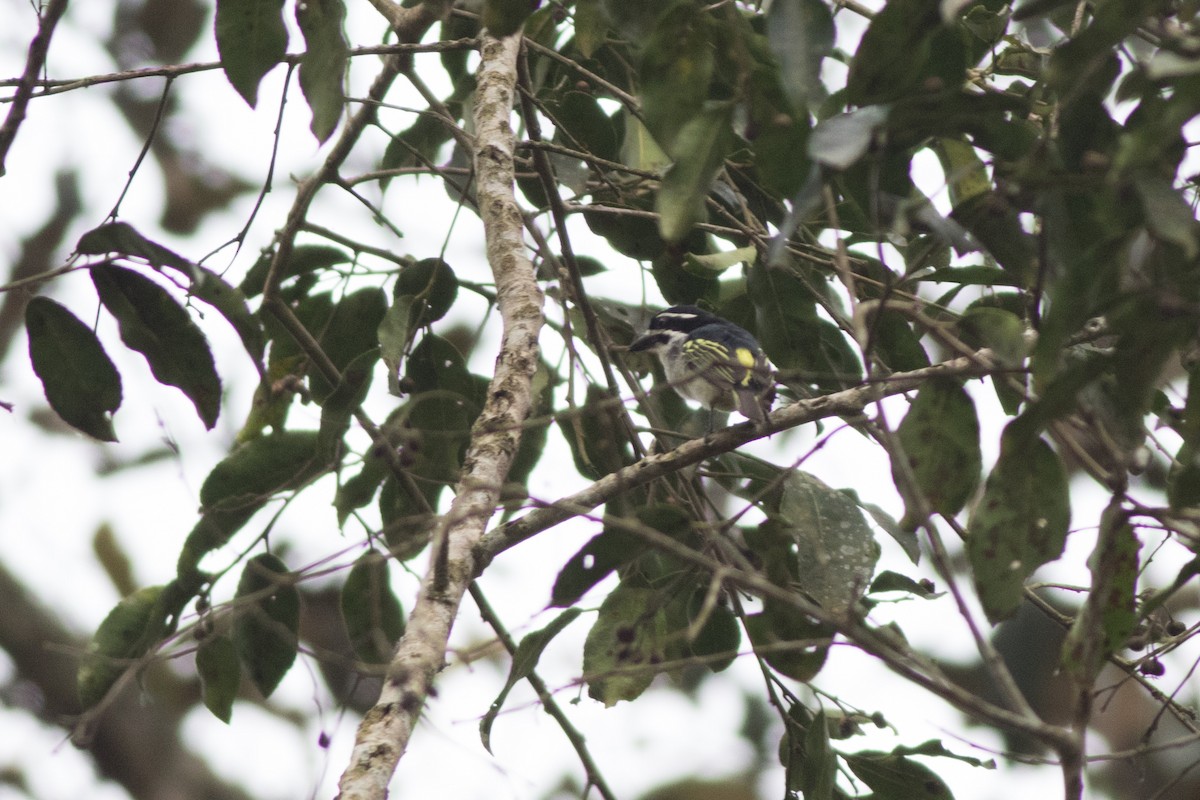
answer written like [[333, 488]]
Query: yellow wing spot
[[745, 357]]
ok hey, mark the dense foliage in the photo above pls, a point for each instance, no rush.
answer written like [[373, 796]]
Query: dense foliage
[[925, 201]]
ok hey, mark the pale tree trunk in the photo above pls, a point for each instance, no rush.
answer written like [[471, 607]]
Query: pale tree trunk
[[384, 732]]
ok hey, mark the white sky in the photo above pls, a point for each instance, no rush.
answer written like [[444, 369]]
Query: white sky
[[51, 501]]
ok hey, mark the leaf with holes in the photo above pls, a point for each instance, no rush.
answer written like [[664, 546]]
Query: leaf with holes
[[625, 646], [940, 439], [834, 549], [1020, 523]]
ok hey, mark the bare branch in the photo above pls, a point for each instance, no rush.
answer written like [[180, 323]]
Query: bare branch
[[38, 49]]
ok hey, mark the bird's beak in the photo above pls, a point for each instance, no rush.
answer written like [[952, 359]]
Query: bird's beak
[[642, 343]]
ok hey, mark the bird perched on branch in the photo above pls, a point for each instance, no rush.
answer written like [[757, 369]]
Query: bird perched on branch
[[711, 360]]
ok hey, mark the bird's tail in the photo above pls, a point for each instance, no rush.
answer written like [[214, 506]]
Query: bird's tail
[[755, 406]]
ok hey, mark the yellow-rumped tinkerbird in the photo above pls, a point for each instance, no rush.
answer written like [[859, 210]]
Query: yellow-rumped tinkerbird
[[710, 360]]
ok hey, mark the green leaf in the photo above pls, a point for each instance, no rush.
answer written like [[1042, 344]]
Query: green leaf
[[819, 769], [625, 645], [907, 539], [582, 124], [588, 433], [436, 364], [358, 490], [613, 547], [639, 148], [677, 67], [1168, 215], [895, 777], [407, 526], [940, 439], [996, 224], [934, 748], [352, 331], [251, 39], [120, 237], [125, 635], [243, 482], [524, 661], [894, 52], [716, 643], [888, 581], [997, 329], [340, 405], [230, 303], [710, 264], [591, 26], [372, 614], [206, 285], [966, 175], [978, 275], [699, 152], [260, 468], [393, 332], [306, 259], [157, 326], [1183, 480], [595, 561], [220, 675], [432, 284], [800, 34], [631, 234], [1020, 523], [266, 628], [1108, 616], [323, 65], [841, 140], [505, 17], [805, 348], [81, 383], [791, 644], [834, 548]]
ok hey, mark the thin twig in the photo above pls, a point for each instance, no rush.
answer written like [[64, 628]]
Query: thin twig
[[34, 62], [545, 697], [159, 112], [61, 85]]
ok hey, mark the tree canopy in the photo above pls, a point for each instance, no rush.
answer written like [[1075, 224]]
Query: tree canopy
[[964, 234]]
